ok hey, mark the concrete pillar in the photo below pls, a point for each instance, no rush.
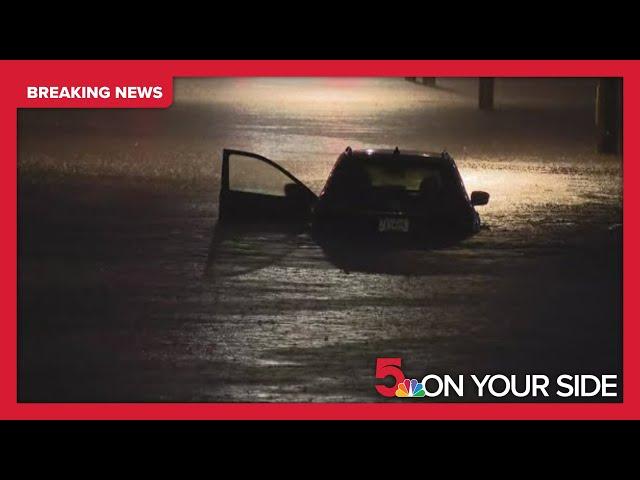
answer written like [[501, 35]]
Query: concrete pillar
[[485, 93], [609, 115], [429, 81]]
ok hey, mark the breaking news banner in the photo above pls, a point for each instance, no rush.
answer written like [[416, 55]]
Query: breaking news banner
[[84, 92], [322, 240]]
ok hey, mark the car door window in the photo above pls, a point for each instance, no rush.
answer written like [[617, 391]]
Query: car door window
[[246, 174]]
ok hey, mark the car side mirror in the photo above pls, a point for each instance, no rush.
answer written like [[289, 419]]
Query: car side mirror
[[479, 198]]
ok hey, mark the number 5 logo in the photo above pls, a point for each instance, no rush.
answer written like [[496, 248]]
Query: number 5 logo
[[389, 367]]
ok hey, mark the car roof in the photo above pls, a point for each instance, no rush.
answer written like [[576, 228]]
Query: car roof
[[440, 157]]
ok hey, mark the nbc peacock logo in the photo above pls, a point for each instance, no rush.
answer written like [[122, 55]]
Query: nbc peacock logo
[[410, 388]]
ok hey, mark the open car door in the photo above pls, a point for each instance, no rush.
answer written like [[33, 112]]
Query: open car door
[[256, 189]]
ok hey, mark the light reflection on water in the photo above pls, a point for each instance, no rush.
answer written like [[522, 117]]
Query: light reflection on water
[[537, 148], [535, 151]]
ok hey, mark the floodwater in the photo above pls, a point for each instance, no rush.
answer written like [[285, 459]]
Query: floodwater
[[129, 293]]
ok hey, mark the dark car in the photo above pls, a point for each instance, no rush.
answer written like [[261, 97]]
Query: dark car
[[384, 193]]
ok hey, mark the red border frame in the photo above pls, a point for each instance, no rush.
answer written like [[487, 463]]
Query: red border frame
[[19, 74]]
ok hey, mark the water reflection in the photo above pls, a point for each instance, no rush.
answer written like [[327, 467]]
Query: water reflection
[[242, 249]]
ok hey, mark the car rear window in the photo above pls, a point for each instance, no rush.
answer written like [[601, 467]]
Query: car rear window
[[410, 178], [408, 175]]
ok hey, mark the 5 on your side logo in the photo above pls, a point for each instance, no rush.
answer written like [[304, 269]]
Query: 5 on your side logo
[[581, 385]]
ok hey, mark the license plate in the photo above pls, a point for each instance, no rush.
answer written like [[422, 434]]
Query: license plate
[[393, 224]]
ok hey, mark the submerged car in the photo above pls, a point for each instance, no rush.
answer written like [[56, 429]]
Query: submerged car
[[384, 193]]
